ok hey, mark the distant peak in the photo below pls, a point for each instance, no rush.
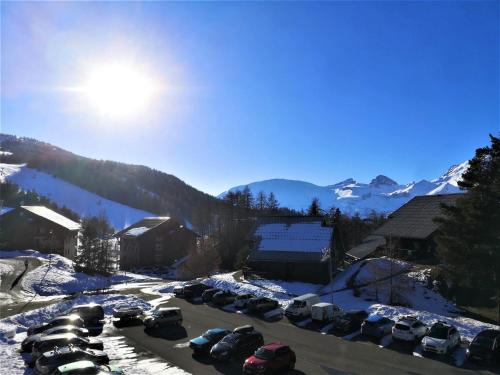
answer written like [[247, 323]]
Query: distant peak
[[382, 180], [348, 181]]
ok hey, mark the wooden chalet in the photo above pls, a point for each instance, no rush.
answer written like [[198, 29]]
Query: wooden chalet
[[409, 232], [39, 228], [154, 241], [291, 248]]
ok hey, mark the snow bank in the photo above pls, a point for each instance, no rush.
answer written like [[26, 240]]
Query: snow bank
[[59, 276]]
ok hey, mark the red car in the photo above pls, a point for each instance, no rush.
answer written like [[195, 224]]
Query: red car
[[270, 358]]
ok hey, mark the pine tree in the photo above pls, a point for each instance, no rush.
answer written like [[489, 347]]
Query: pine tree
[[314, 209], [96, 245], [261, 201], [272, 203], [469, 237]]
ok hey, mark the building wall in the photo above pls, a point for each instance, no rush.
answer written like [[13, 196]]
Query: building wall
[[160, 246], [22, 230], [312, 272]]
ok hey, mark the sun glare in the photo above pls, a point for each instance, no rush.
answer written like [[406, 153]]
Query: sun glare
[[119, 90]]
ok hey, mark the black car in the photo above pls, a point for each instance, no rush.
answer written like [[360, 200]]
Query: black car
[[28, 342], [48, 342], [224, 297], [242, 342], [485, 347], [193, 291], [262, 304], [209, 294], [91, 313], [51, 360], [63, 320], [349, 321]]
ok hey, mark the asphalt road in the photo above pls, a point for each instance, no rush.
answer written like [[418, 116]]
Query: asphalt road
[[316, 353]]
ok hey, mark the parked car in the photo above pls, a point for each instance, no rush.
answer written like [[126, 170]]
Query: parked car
[[205, 342], [87, 367], [63, 320], [243, 341], [178, 291], [324, 312], [48, 342], [262, 304], [126, 312], [51, 360], [272, 357], [300, 307], [223, 297], [485, 347], [193, 291], [242, 300], [91, 313], [377, 326], [409, 329], [27, 343], [441, 339], [164, 316], [349, 321], [208, 294]]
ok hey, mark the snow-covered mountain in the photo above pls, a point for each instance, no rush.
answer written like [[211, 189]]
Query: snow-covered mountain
[[81, 201], [382, 194]]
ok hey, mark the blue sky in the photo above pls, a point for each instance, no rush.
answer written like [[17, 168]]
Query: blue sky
[[310, 91]]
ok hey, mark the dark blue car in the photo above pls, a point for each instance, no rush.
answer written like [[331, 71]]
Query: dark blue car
[[203, 343]]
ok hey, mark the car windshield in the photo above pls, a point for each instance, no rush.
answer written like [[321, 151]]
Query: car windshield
[[264, 353], [298, 303], [485, 342], [402, 327], [230, 339], [211, 335], [439, 332]]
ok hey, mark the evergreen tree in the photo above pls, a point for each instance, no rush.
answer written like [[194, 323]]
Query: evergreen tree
[[96, 245], [314, 209], [272, 203], [261, 201], [469, 237], [247, 198]]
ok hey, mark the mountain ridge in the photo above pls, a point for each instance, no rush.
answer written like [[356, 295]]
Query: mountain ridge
[[382, 194]]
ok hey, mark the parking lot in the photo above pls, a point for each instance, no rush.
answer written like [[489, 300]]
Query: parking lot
[[316, 353]]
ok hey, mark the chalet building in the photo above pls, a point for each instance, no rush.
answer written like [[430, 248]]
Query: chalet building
[[39, 228], [409, 232], [291, 248], [154, 241]]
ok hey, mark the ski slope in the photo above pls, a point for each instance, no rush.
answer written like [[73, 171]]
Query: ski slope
[[83, 202]]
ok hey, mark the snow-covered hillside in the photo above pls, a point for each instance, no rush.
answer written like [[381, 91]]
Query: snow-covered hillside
[[83, 202], [382, 194]]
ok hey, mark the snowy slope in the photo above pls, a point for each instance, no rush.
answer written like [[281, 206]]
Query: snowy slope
[[83, 202], [382, 194]]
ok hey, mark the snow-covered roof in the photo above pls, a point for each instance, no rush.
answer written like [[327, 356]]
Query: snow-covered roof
[[53, 216], [292, 239], [367, 246], [142, 226], [309, 236]]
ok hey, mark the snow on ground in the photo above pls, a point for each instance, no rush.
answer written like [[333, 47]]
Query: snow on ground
[[13, 331], [81, 201], [427, 304], [59, 276]]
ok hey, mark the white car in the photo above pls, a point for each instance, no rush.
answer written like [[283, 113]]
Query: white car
[[242, 300], [441, 339], [409, 328]]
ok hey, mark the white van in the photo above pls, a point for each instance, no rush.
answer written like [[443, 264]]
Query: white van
[[301, 306], [324, 312]]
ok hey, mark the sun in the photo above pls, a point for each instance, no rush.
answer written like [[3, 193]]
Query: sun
[[118, 90]]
